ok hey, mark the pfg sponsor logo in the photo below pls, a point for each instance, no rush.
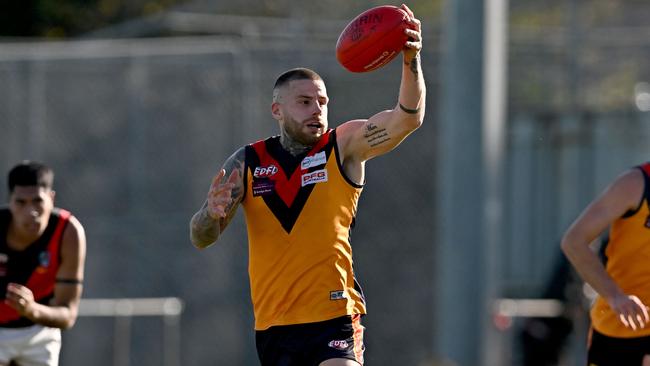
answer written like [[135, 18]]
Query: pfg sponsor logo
[[314, 177], [265, 171], [339, 344], [337, 295], [314, 160]]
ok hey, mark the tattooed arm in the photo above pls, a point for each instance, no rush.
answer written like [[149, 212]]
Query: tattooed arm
[[224, 197], [361, 140]]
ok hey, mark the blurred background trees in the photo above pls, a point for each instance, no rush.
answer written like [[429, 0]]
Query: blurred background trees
[[71, 18]]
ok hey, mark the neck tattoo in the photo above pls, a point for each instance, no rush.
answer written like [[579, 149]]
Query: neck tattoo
[[294, 147]]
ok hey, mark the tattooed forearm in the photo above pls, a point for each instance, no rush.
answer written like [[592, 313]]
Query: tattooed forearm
[[207, 224], [375, 135], [204, 230], [236, 162], [414, 65]]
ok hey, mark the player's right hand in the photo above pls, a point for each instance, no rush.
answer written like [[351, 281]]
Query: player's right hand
[[632, 312], [414, 32], [20, 298], [220, 194]]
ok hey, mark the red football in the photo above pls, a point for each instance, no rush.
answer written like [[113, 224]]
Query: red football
[[372, 39]]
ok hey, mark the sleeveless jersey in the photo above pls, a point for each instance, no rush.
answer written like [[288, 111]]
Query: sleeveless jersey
[[628, 257], [299, 212], [34, 267]]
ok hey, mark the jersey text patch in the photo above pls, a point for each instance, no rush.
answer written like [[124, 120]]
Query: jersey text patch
[[314, 177]]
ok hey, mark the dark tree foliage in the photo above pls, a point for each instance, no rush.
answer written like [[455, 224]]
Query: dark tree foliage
[[69, 18]]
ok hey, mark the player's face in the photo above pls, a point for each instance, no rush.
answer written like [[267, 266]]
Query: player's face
[[301, 109], [30, 208]]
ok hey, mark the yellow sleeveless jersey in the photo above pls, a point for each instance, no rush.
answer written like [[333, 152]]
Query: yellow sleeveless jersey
[[299, 213], [628, 263]]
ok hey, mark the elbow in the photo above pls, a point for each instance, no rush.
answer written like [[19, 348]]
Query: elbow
[[69, 323], [411, 122], [414, 122], [567, 245], [564, 244], [69, 320], [418, 122], [200, 244]]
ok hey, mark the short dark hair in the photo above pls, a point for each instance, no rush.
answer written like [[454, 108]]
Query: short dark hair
[[299, 73], [30, 173]]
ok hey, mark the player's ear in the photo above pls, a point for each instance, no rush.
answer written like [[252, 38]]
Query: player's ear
[[275, 111]]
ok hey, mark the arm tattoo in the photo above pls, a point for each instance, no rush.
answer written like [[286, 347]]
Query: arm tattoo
[[205, 230], [236, 162], [414, 65], [408, 110], [375, 135]]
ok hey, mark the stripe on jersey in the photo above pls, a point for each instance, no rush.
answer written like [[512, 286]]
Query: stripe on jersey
[[289, 196]]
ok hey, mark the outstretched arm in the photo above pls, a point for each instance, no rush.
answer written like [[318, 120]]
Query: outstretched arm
[[360, 140], [224, 197], [622, 195]]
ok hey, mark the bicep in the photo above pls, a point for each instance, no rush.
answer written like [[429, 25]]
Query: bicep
[[71, 268], [622, 196], [366, 139]]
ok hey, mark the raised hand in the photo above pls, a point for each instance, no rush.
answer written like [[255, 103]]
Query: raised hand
[[220, 195], [414, 32]]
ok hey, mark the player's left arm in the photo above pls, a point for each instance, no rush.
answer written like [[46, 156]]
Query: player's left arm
[[625, 194], [62, 311], [366, 139]]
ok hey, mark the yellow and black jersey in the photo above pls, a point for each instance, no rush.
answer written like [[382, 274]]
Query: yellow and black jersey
[[299, 212], [628, 263]]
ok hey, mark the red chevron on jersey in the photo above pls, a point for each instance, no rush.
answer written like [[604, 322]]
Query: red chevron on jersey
[[285, 181], [35, 267], [286, 186], [646, 168]]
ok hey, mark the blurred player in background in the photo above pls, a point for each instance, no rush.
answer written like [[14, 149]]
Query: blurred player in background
[[620, 334], [299, 191], [42, 252]]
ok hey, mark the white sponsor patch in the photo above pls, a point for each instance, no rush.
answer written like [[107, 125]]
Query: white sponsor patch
[[314, 160], [337, 295], [339, 344], [265, 171], [314, 177]]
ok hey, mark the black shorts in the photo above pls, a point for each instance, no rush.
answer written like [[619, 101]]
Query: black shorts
[[311, 343], [610, 351]]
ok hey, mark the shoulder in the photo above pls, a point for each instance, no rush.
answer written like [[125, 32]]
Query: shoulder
[[74, 236], [239, 153], [627, 189], [348, 130], [236, 160], [631, 179]]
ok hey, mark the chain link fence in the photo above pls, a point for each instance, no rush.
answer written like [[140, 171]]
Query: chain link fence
[[136, 128]]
